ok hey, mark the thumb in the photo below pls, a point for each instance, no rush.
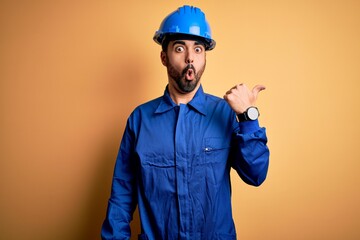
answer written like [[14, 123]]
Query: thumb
[[257, 89]]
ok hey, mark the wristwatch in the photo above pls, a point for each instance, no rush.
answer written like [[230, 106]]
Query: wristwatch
[[251, 114]]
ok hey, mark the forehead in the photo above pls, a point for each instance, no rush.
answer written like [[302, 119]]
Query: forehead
[[187, 42]]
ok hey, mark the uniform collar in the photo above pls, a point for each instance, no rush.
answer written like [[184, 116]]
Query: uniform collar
[[197, 103]]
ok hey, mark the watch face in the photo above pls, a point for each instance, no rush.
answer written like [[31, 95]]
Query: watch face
[[253, 113]]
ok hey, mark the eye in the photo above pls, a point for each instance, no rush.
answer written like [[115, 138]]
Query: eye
[[179, 49], [198, 49]]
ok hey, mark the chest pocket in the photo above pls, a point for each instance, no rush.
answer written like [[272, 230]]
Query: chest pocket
[[216, 150], [216, 153]]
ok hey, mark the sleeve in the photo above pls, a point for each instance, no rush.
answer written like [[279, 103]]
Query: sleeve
[[122, 202], [250, 154]]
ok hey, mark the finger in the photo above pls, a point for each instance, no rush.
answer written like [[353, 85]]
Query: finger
[[231, 90], [257, 89], [234, 87], [240, 85]]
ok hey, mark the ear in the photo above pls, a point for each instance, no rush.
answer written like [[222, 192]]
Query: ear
[[163, 58]]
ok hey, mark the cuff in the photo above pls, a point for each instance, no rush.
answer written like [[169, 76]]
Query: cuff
[[249, 126]]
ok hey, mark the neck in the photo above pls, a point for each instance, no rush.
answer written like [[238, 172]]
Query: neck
[[180, 97]]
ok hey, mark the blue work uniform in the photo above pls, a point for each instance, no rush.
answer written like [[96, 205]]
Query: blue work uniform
[[174, 163]]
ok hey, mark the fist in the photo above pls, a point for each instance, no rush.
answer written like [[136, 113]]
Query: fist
[[241, 97]]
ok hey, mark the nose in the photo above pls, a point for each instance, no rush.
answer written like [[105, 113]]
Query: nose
[[189, 57]]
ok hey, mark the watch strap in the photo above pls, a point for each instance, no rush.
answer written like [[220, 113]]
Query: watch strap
[[242, 117]]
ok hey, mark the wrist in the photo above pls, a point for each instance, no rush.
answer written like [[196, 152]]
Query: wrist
[[251, 114]]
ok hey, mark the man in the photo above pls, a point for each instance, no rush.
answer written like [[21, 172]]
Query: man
[[177, 150]]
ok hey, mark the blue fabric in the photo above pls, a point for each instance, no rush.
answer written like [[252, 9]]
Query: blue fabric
[[174, 163]]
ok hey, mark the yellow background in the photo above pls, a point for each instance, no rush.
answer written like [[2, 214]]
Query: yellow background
[[72, 71]]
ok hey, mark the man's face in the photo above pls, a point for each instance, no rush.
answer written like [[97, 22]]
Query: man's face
[[185, 61]]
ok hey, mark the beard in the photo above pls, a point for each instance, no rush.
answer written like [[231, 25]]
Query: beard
[[184, 85]]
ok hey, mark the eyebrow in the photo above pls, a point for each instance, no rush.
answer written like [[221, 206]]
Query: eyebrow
[[183, 43]]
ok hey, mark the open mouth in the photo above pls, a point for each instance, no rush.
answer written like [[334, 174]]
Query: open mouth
[[190, 74]]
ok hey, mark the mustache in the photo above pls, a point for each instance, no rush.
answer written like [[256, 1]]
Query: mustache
[[189, 66]]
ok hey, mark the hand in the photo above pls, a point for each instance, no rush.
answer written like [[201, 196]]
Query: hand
[[240, 98]]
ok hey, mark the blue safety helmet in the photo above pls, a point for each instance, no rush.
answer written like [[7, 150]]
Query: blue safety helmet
[[187, 20]]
